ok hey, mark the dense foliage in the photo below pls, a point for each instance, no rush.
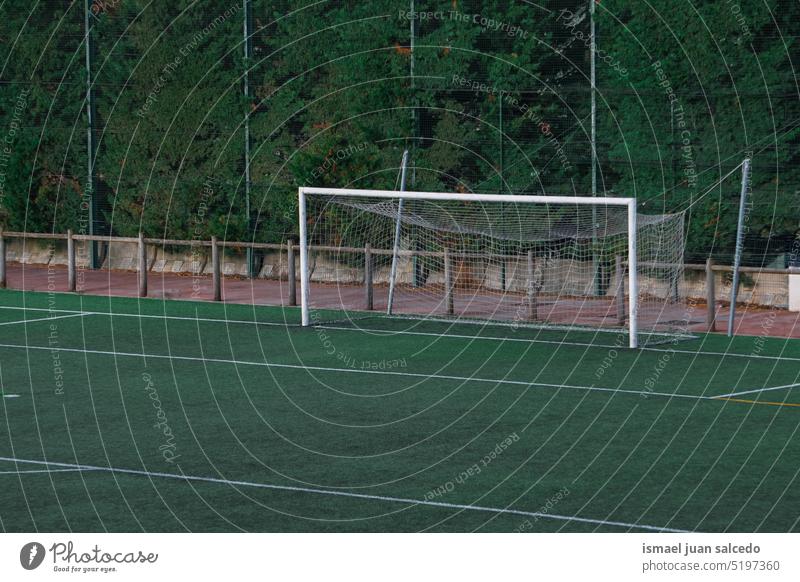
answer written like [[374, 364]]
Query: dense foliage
[[499, 101]]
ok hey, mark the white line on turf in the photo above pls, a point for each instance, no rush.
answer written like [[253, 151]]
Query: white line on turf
[[665, 349], [294, 489], [10, 395], [374, 372], [29, 471], [445, 335], [758, 390], [149, 316], [50, 318]]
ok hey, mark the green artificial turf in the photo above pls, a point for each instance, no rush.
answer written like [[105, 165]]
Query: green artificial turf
[[566, 425]]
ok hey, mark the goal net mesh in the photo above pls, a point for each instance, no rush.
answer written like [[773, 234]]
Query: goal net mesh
[[524, 264]]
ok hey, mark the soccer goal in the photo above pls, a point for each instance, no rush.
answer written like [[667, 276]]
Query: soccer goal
[[547, 261]]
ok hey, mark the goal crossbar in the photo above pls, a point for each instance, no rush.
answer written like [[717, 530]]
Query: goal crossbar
[[629, 203], [522, 198]]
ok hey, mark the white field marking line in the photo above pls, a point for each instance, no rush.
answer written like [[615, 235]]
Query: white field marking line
[[76, 314], [401, 332], [10, 395], [758, 390], [296, 489], [387, 333], [148, 316], [390, 333], [352, 371], [448, 335], [28, 471]]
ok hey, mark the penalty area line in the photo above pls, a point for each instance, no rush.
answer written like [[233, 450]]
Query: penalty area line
[[462, 379], [49, 318], [384, 498]]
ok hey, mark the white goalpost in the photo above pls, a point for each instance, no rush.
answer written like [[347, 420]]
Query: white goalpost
[[433, 255]]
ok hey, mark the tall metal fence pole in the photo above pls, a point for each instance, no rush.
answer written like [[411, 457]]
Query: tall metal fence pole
[[501, 190], [90, 144], [246, 90], [737, 259], [593, 91]]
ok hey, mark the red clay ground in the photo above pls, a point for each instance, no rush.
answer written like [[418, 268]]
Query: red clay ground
[[750, 321]]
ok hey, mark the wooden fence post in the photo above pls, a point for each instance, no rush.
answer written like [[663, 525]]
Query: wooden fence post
[[533, 306], [71, 268], [675, 288], [142, 267], [619, 299], [448, 282], [3, 281], [292, 276], [215, 268], [711, 296], [368, 277]]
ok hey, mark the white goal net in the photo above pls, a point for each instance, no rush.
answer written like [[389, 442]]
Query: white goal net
[[590, 263]]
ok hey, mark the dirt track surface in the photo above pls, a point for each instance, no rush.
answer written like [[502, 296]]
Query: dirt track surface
[[750, 321]]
